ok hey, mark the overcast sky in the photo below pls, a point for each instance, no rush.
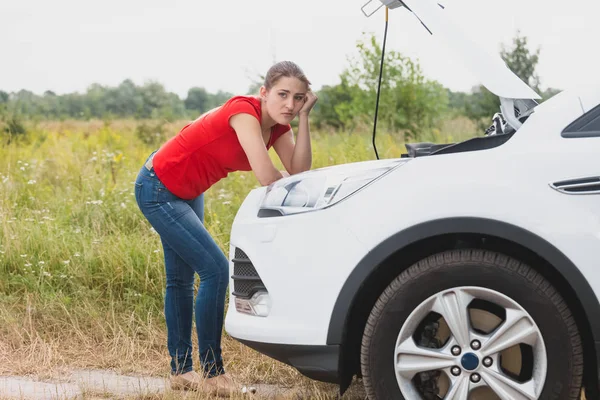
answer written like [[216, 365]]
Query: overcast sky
[[66, 45]]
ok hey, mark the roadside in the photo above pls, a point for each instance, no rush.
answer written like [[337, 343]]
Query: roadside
[[106, 384]]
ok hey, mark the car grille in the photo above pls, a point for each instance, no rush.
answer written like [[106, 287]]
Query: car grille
[[246, 281]]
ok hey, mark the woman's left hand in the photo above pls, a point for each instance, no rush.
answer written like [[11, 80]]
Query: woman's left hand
[[309, 102]]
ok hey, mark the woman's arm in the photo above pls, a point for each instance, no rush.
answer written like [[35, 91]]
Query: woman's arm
[[249, 134], [297, 157]]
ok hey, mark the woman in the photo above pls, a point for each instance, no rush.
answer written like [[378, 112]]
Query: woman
[[170, 193]]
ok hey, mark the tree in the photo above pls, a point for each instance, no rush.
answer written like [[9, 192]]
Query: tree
[[197, 100], [218, 99], [408, 101], [331, 104], [3, 103]]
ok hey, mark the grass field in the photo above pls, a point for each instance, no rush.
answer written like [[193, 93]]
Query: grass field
[[81, 271]]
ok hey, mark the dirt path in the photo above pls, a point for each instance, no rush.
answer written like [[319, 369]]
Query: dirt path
[[79, 384], [103, 384]]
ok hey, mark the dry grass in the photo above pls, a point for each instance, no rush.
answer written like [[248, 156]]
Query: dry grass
[[28, 349], [127, 345]]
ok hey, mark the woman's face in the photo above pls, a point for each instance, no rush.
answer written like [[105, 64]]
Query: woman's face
[[285, 99]]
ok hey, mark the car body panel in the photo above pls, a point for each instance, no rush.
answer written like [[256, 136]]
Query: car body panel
[[297, 269], [306, 259]]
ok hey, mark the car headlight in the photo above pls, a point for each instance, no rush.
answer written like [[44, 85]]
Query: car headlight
[[321, 188]]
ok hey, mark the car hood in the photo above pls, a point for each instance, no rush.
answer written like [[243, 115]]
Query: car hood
[[488, 68]]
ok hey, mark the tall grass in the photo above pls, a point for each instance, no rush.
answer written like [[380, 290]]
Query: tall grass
[[81, 270]]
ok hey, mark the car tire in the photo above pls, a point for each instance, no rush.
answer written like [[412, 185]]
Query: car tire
[[496, 274]]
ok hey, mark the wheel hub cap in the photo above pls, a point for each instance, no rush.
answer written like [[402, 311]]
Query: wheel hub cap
[[470, 362]]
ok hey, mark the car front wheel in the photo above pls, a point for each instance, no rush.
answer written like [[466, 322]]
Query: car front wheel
[[471, 325]]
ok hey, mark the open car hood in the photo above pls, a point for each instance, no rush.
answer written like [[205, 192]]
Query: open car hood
[[490, 70]]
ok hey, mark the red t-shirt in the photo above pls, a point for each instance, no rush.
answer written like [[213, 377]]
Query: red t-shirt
[[207, 149]]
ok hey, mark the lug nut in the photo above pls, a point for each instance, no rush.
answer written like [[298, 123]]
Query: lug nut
[[455, 371], [475, 378], [475, 344], [487, 362], [456, 350]]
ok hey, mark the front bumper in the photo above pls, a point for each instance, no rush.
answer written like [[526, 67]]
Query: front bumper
[[303, 261], [316, 362]]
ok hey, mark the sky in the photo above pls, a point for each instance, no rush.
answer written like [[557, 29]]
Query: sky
[[67, 45]]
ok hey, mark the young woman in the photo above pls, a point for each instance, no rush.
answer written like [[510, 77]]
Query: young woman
[[170, 193]]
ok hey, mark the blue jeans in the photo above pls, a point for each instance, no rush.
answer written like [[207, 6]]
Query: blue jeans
[[188, 249]]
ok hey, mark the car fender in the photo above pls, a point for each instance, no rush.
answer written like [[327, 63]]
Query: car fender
[[563, 265]]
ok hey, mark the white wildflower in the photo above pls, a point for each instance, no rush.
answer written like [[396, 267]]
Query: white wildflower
[[41, 263], [156, 251], [66, 262], [31, 182], [77, 255], [23, 255], [123, 205], [28, 264], [22, 168], [48, 274]]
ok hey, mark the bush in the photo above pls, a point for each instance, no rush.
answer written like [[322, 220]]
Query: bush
[[152, 134], [12, 126]]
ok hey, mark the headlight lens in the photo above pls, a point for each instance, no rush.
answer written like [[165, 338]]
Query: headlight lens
[[321, 188]]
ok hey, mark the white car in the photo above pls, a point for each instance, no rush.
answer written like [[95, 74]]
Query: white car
[[459, 271]]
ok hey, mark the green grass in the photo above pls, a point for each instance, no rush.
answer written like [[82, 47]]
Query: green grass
[[81, 270]]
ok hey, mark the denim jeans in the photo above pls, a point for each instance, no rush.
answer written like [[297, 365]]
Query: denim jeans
[[188, 249]]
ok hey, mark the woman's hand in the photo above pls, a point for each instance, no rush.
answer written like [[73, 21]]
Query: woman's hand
[[309, 102]]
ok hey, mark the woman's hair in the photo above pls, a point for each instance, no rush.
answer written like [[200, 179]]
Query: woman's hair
[[287, 69]]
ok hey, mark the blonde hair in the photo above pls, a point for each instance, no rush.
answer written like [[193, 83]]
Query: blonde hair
[[287, 69]]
